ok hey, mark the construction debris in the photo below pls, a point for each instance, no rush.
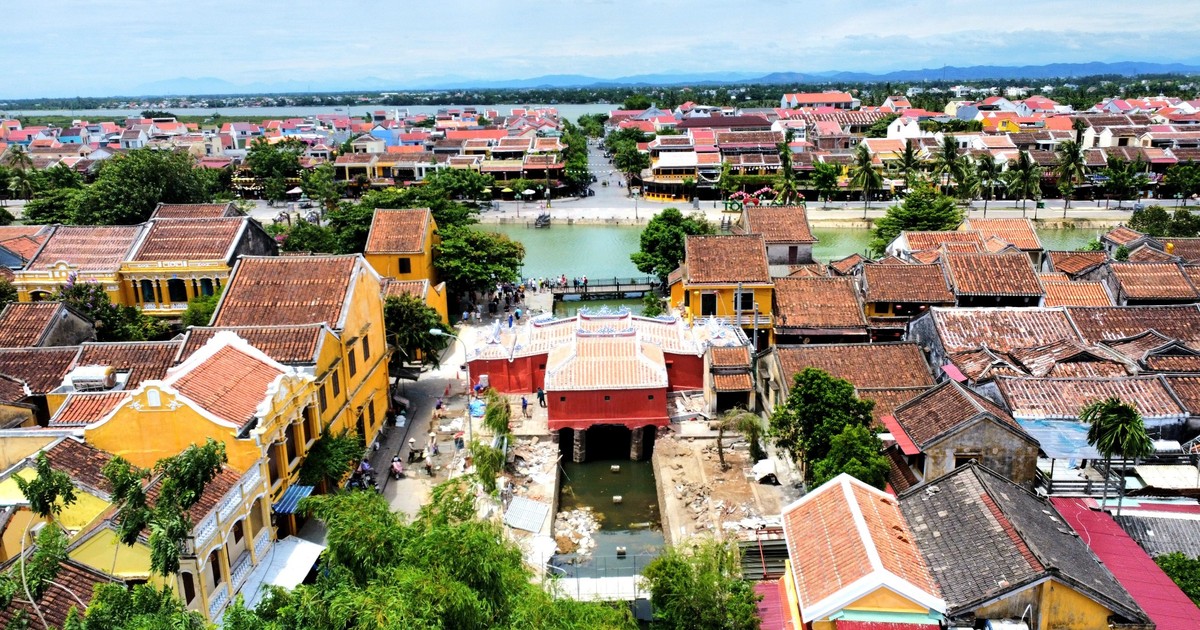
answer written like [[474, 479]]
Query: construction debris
[[575, 532]]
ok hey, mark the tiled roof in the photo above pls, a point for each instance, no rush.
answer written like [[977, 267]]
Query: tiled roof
[[285, 344], [81, 409], [1162, 534], [76, 580], [888, 398], [1072, 263], [981, 364], [286, 290], [23, 246], [397, 288], [1064, 398], [726, 259], [214, 491], [89, 248], [1056, 356], [1122, 235], [42, 369], [818, 303], [1186, 248], [1018, 232], [740, 382], [398, 231], [1000, 329], [878, 365], [81, 461], [230, 384], [1147, 254], [23, 324], [808, 270], [919, 241], [194, 210], [779, 224], [613, 361], [1068, 293], [1173, 363], [1187, 390], [1138, 347], [900, 476], [731, 356], [845, 533], [1099, 323], [847, 264], [11, 390], [190, 239], [144, 360], [923, 284], [1005, 274], [943, 409], [1144, 281], [984, 537]]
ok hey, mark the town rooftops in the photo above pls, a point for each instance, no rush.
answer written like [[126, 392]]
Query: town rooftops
[[1018, 232], [399, 231], [42, 369], [605, 361], [921, 284], [1064, 398], [1074, 263], [877, 365], [921, 241], [26, 324], [290, 344], [819, 303], [984, 537], [723, 122], [1100, 323], [87, 248], [77, 582], [194, 211], [190, 239], [1122, 235], [1008, 274], [83, 408], [1187, 391], [288, 290], [81, 461], [1075, 293], [943, 409], [726, 259], [227, 378], [144, 360], [846, 540], [1153, 281], [779, 224], [1000, 329]]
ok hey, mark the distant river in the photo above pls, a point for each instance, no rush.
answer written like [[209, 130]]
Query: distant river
[[571, 112], [602, 251]]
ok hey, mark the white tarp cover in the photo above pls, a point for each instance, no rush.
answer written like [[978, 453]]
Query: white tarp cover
[[286, 565]]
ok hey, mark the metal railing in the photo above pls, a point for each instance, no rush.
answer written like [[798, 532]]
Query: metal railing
[[1081, 487]]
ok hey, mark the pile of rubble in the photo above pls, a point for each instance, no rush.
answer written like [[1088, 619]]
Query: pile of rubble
[[697, 497], [533, 463], [575, 531]]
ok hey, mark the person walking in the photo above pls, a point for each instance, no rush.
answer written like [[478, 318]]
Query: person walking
[[541, 395], [510, 320], [525, 406]]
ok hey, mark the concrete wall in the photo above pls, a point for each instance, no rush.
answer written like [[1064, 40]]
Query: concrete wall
[[1000, 449], [777, 253], [69, 329]]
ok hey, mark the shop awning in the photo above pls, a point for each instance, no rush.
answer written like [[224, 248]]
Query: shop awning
[[1061, 439], [290, 561], [290, 499]]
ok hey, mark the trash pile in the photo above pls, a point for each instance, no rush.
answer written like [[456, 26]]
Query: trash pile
[[697, 498], [534, 463], [575, 530]]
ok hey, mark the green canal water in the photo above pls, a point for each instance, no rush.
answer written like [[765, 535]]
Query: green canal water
[[602, 251]]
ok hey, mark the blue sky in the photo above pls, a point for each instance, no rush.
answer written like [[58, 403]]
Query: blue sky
[[104, 47]]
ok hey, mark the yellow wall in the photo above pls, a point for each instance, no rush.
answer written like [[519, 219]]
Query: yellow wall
[[104, 552], [10, 539], [73, 517], [133, 272], [1056, 605], [47, 281], [887, 600], [420, 263], [436, 299], [14, 449]]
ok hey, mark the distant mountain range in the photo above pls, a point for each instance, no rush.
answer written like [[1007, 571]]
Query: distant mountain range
[[214, 86]]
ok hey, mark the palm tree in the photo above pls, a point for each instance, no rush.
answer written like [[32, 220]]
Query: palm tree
[[1069, 168], [989, 174], [948, 163], [740, 421], [864, 176], [909, 162], [786, 187], [1024, 177], [20, 184], [968, 183], [19, 158], [825, 179], [1116, 428]]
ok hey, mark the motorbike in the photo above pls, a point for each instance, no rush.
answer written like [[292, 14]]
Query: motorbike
[[397, 469]]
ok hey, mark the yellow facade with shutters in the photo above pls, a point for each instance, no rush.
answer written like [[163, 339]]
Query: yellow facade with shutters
[[696, 301]]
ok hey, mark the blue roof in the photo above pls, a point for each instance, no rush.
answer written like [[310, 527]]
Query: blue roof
[[1061, 439], [290, 499]]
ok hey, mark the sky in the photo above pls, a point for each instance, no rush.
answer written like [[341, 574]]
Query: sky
[[109, 47]]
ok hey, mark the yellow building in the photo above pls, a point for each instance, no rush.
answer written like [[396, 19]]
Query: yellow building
[[726, 277], [78, 254], [400, 244], [434, 296]]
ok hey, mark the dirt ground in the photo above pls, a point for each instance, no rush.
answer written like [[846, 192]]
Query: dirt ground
[[696, 496]]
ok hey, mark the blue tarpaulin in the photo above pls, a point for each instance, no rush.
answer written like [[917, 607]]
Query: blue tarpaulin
[[1061, 439], [477, 408], [290, 499]]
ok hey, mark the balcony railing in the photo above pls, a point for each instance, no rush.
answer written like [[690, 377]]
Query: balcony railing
[[262, 543], [205, 530], [1080, 487], [218, 600], [241, 569]]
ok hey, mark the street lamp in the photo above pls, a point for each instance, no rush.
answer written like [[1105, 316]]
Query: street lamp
[[438, 332]]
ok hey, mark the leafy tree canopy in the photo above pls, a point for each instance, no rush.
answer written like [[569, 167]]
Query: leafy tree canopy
[[1184, 571], [311, 237], [408, 320], [818, 407], [878, 129], [200, 309], [114, 606], [113, 322], [702, 588], [473, 260], [662, 241], [1157, 221], [636, 101], [331, 458], [856, 451], [130, 185], [924, 208]]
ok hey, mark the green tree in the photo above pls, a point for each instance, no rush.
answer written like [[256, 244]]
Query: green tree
[[652, 305], [989, 175], [269, 160], [34, 572], [1070, 166], [856, 451], [49, 491], [53, 206], [818, 407], [909, 162], [879, 128], [321, 185], [701, 588], [863, 175], [489, 462], [130, 185], [200, 309], [1116, 428], [1125, 179], [460, 183], [1182, 179], [825, 179], [923, 209], [1184, 571], [1023, 177], [1121, 254], [636, 102], [407, 321], [331, 458], [473, 260], [662, 241], [144, 606], [8, 293], [948, 163], [19, 158], [113, 322], [630, 161], [1152, 220], [311, 237], [749, 425], [969, 183], [497, 413], [157, 113]]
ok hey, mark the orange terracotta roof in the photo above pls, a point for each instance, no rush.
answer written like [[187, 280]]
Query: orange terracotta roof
[[605, 361], [1186, 248], [1005, 274], [1064, 398], [144, 360], [888, 398], [730, 356], [1099, 323], [396, 288], [286, 344], [726, 259], [88, 248], [190, 239], [1068, 293], [1187, 390], [847, 264], [923, 284], [398, 231], [779, 224], [1146, 254], [24, 324], [732, 382], [84, 408], [943, 409], [23, 246], [1122, 235], [194, 211], [919, 241], [818, 303], [1143, 281], [1000, 329], [214, 491], [42, 369], [78, 582], [268, 291], [1173, 363], [230, 384], [878, 365], [1072, 263]]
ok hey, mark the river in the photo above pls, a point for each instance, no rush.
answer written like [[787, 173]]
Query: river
[[568, 111], [602, 251]]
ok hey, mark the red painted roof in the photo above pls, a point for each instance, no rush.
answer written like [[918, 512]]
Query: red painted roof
[[902, 440], [1162, 600], [843, 624], [771, 608]]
